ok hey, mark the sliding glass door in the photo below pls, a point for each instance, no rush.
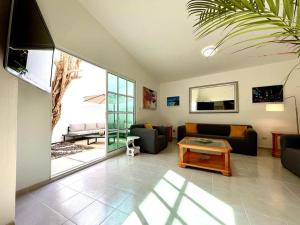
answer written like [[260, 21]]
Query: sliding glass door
[[120, 110]]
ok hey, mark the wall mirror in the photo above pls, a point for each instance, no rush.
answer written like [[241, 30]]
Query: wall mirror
[[217, 98]]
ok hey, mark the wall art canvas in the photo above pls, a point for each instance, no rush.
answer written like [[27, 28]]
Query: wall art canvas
[[173, 101], [149, 99], [267, 94]]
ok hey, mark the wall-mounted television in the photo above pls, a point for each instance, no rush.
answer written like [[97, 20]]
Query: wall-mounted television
[[30, 48], [267, 94]]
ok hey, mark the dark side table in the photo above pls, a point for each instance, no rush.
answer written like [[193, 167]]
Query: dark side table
[[276, 152], [169, 133]]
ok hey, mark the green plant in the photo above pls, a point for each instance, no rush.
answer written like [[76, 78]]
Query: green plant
[[278, 19]]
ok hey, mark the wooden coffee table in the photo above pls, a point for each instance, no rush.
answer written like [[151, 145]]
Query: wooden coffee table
[[205, 153]]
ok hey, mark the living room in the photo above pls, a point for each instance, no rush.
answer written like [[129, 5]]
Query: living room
[[153, 46]]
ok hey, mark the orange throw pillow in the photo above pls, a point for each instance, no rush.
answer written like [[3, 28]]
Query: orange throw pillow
[[148, 125], [237, 131], [191, 128]]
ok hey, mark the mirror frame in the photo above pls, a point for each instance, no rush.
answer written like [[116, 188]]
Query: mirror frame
[[235, 84]]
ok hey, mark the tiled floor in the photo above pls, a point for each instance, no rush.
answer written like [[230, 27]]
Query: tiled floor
[[151, 189]]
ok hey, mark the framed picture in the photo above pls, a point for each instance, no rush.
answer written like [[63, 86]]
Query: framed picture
[[267, 94], [149, 99], [173, 101]]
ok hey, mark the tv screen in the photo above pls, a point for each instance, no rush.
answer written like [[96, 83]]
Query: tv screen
[[30, 48], [267, 94]]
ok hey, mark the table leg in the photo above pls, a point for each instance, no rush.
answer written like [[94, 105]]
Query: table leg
[[227, 169], [181, 151]]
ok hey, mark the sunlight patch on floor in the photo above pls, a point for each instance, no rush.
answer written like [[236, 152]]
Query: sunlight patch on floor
[[176, 201]]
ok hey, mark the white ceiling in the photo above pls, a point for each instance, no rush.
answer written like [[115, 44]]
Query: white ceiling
[[159, 35]]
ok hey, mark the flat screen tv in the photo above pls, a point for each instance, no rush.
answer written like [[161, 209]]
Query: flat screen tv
[[30, 48], [267, 94]]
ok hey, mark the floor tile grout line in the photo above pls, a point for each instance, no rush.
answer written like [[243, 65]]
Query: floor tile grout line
[[247, 216], [291, 192], [90, 205]]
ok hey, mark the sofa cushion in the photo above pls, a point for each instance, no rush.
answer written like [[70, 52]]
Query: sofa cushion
[[91, 126], [214, 129], [148, 126], [137, 126], [191, 128], [238, 131], [77, 127], [100, 125]]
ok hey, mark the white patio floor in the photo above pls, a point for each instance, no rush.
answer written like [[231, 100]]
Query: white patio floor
[[69, 162]]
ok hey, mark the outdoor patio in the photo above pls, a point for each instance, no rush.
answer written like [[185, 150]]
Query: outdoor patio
[[71, 161]]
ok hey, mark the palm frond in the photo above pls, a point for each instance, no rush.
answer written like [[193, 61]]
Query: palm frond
[[280, 17]]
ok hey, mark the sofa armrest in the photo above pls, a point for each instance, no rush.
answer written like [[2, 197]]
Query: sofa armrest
[[147, 139], [251, 136], [290, 141], [161, 130], [181, 132]]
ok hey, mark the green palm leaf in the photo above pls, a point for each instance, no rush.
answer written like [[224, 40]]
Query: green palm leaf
[[280, 17]]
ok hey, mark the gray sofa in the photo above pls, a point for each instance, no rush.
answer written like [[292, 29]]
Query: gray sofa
[[244, 145], [151, 140], [81, 130], [290, 153]]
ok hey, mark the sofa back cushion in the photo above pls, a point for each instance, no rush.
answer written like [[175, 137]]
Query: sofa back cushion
[[91, 126], [148, 125], [137, 126], [77, 127], [100, 126], [238, 130], [191, 128], [214, 129]]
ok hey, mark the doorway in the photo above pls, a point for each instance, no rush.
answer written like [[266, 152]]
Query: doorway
[[78, 113]]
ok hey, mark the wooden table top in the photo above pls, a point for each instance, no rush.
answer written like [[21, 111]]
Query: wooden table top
[[195, 143]]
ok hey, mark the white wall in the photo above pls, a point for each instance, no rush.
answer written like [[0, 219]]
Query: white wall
[[75, 30], [254, 114], [34, 135], [8, 129]]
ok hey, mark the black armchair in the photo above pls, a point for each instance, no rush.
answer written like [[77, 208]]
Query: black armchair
[[151, 140], [290, 153]]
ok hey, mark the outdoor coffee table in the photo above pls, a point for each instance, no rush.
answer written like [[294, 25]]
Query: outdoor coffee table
[[93, 136], [205, 153]]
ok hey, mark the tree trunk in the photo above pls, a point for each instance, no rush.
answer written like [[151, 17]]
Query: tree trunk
[[67, 69]]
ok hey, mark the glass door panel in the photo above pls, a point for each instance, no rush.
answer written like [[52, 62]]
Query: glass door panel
[[130, 120], [122, 103], [122, 86], [130, 105], [112, 102], [121, 108], [122, 130], [112, 81], [130, 88]]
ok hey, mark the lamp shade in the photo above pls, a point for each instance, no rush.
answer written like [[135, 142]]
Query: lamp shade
[[275, 107]]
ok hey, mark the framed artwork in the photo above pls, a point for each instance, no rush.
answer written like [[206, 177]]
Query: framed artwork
[[149, 99], [173, 101], [267, 94]]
